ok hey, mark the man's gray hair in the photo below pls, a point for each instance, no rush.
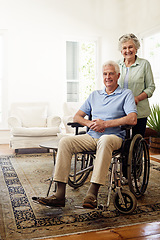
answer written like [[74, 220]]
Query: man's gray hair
[[126, 38], [113, 64]]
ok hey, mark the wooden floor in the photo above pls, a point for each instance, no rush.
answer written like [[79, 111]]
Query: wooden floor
[[146, 231]]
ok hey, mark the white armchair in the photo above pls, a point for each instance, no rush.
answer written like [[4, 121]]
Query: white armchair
[[30, 125], [69, 110]]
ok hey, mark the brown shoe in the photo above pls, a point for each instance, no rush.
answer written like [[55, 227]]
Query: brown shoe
[[90, 202], [50, 201]]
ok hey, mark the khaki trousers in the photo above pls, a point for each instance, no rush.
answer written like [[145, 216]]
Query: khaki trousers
[[104, 147]]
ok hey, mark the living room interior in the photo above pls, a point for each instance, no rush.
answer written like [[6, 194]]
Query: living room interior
[[34, 44], [33, 38]]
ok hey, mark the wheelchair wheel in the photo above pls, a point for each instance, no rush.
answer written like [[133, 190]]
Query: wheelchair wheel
[[138, 166], [80, 172], [130, 202]]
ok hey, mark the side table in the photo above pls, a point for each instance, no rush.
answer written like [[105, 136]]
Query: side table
[[53, 144]]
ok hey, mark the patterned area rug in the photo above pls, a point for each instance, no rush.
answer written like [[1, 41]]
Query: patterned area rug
[[25, 176]]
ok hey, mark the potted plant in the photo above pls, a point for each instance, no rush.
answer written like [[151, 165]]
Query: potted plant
[[153, 123]]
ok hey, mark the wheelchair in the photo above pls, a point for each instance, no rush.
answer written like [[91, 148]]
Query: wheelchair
[[130, 163]]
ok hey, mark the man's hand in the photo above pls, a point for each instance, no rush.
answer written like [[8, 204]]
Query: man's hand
[[97, 125]]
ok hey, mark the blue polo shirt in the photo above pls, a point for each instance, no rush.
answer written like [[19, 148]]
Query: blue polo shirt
[[107, 107]]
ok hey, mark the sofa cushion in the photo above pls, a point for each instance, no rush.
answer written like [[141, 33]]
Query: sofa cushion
[[14, 122], [32, 116], [35, 131]]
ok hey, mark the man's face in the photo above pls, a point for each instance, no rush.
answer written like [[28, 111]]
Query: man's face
[[110, 77]]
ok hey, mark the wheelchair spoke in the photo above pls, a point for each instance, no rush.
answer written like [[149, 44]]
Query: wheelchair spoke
[[83, 165], [128, 204]]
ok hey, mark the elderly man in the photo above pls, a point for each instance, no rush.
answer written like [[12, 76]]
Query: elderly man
[[110, 108]]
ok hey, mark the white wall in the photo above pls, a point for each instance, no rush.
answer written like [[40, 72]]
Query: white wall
[[141, 16], [37, 30]]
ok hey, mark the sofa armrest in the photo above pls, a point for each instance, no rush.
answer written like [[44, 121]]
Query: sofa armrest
[[67, 119], [53, 121], [14, 121]]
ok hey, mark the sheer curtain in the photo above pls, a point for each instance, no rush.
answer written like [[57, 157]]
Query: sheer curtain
[[151, 51]]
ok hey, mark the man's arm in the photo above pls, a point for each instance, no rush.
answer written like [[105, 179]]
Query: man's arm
[[99, 125], [80, 118]]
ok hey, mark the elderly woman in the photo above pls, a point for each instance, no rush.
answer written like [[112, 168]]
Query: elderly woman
[[136, 74]]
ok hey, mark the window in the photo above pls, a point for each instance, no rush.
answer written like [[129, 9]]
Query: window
[[80, 69], [3, 79], [151, 47], [1, 64]]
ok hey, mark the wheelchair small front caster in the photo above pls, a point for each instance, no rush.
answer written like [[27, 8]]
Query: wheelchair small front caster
[[129, 204], [102, 207]]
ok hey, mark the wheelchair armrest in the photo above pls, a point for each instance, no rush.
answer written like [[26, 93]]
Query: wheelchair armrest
[[123, 127], [75, 125], [127, 128]]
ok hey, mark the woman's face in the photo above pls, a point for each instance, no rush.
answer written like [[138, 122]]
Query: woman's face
[[129, 50]]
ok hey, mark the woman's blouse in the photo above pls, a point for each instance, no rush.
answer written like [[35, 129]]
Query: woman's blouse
[[139, 79]]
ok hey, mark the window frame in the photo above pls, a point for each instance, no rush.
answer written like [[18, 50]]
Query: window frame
[[142, 37], [4, 80], [82, 39]]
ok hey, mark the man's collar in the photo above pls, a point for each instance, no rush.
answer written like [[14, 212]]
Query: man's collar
[[116, 91]]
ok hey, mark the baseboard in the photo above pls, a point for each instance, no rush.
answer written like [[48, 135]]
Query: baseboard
[[4, 136]]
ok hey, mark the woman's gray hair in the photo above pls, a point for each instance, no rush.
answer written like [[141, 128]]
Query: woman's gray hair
[[126, 38], [113, 64]]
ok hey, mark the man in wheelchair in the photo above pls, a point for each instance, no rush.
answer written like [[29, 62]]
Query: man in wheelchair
[[111, 108]]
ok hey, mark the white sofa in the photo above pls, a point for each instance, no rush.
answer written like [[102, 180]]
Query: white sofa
[[30, 125], [69, 110]]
